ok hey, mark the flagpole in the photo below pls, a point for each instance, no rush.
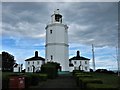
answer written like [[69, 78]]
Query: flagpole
[[118, 63], [93, 57]]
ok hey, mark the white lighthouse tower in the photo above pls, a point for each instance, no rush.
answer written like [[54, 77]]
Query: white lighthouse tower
[[57, 41]]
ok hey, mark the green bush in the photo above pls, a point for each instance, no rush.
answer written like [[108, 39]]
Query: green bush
[[76, 74], [76, 71], [43, 77], [32, 79], [51, 69], [5, 82], [28, 80], [78, 78], [85, 81], [5, 79], [94, 86]]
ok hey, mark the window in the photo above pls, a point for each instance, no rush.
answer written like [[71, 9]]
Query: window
[[51, 57], [50, 31], [33, 62], [75, 62], [57, 18], [28, 69], [85, 62], [28, 63], [85, 68], [38, 62]]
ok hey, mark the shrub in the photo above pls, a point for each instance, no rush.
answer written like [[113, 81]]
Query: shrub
[[28, 80], [5, 82], [34, 79], [5, 79], [80, 77], [85, 81], [76, 71], [51, 69], [31, 79], [43, 77], [94, 86]]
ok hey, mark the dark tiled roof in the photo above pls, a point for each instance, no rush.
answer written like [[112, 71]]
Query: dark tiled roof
[[35, 58], [78, 58]]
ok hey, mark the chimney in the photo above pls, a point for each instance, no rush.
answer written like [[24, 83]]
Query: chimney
[[36, 53], [78, 54]]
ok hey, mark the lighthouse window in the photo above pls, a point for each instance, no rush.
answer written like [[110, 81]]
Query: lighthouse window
[[57, 18], [51, 57], [50, 31]]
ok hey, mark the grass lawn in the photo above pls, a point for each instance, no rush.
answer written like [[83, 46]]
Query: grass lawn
[[110, 79]]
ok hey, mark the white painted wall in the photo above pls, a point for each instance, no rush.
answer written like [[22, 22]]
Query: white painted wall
[[57, 44], [28, 64], [83, 66], [18, 68], [71, 69]]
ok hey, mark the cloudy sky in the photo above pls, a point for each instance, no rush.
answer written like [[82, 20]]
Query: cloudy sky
[[23, 29]]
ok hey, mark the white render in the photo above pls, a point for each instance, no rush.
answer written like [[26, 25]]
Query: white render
[[80, 64], [34, 63], [71, 69], [57, 42], [18, 68]]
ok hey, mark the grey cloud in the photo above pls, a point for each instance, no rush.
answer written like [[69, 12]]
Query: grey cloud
[[102, 17], [88, 22], [29, 12]]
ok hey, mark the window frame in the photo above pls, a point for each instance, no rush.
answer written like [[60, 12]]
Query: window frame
[[75, 62], [85, 62], [51, 31], [28, 63]]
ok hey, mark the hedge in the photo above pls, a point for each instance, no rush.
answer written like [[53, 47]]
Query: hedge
[[31, 79], [51, 69], [84, 81], [43, 77], [76, 71], [5, 79], [78, 77], [94, 86], [5, 82]]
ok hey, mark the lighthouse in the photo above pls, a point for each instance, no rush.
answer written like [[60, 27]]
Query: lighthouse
[[57, 41]]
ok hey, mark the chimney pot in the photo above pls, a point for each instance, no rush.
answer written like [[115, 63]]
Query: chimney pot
[[78, 54], [36, 53]]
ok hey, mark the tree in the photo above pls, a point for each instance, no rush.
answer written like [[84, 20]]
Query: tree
[[7, 61]]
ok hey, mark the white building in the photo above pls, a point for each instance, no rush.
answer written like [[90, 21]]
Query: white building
[[17, 67], [57, 41], [79, 63], [34, 64]]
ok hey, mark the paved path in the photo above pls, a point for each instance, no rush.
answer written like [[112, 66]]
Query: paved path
[[65, 81]]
